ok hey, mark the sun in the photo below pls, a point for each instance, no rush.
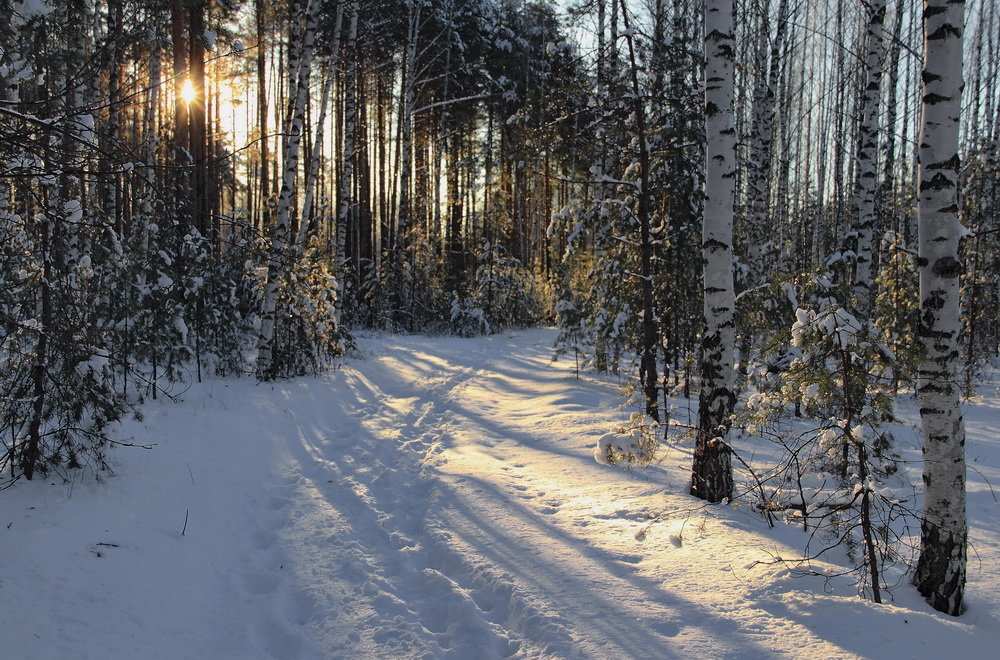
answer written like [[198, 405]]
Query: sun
[[187, 92]]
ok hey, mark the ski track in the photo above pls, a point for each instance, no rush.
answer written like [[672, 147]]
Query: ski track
[[436, 499], [417, 525], [361, 504]]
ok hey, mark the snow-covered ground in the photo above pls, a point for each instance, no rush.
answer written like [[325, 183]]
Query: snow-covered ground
[[438, 498]]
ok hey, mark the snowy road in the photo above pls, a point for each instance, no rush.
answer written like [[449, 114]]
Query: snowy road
[[438, 498]]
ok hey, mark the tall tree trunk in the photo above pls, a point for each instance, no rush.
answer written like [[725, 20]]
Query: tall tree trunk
[[31, 453], [344, 196], [404, 214], [712, 477], [315, 159], [761, 158], [887, 203], [197, 118], [178, 20], [941, 568], [265, 176], [867, 157], [647, 344], [110, 197], [277, 264]]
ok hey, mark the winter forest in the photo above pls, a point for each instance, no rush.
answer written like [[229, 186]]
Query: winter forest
[[414, 316]]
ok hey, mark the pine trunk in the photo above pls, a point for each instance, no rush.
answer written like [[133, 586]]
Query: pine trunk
[[647, 345]]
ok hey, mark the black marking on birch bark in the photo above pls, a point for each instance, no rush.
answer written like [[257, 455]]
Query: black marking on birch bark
[[937, 182], [944, 32], [940, 574], [931, 10], [947, 267], [953, 163]]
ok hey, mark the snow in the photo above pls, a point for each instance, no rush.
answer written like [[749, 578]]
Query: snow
[[30, 8], [438, 497], [210, 37]]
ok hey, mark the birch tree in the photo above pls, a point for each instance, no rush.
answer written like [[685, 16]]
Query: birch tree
[[940, 574], [345, 201], [867, 156], [711, 477], [762, 140], [277, 256]]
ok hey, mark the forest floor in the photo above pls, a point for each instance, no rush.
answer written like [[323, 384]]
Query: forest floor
[[439, 498]]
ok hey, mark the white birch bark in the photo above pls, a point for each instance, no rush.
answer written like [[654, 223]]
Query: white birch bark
[[317, 148], [344, 201], [277, 264], [941, 568], [712, 477], [762, 141], [886, 205], [867, 156], [306, 213]]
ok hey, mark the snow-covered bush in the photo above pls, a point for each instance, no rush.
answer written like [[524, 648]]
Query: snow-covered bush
[[835, 463], [630, 445], [468, 320], [307, 336], [505, 290]]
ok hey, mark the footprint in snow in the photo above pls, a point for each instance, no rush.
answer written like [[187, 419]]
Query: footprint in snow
[[300, 607], [275, 639], [263, 539], [277, 503], [260, 582]]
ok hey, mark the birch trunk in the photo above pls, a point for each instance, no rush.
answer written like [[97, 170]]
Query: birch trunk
[[712, 477], [762, 136], [867, 156], [940, 574], [344, 198], [886, 193], [277, 264], [317, 149]]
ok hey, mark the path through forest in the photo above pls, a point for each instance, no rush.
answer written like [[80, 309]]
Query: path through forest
[[434, 498]]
